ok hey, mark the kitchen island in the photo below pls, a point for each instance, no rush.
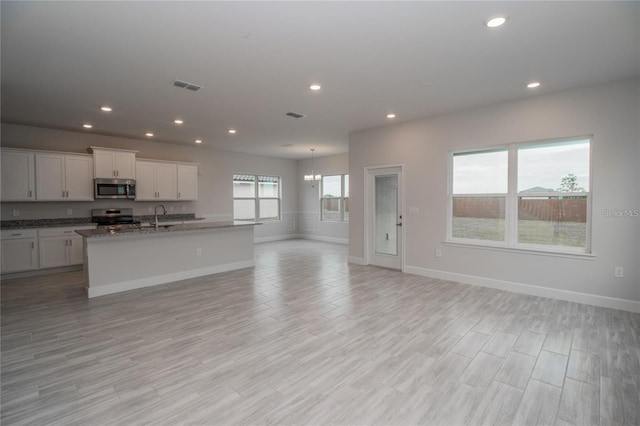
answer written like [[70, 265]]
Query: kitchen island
[[128, 259]]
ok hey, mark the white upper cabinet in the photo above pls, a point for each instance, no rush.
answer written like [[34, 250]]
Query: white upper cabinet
[[156, 181], [18, 175], [114, 163], [64, 177], [187, 182]]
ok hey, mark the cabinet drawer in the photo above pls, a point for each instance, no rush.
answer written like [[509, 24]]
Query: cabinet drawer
[[14, 234], [67, 231]]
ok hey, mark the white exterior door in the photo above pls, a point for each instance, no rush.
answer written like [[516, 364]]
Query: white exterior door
[[384, 217]]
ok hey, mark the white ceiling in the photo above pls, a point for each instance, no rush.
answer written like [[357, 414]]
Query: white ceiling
[[62, 60]]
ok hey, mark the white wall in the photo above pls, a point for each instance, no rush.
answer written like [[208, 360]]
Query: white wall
[[215, 198], [609, 112], [309, 200]]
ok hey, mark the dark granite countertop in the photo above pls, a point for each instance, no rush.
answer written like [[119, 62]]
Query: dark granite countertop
[[149, 230], [45, 223], [86, 221]]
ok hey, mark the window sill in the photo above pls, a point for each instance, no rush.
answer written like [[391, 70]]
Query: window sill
[[520, 250]]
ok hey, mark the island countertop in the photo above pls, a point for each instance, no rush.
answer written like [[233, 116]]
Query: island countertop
[[148, 230]]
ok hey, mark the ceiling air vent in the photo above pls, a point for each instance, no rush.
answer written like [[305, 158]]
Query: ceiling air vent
[[295, 115], [185, 85]]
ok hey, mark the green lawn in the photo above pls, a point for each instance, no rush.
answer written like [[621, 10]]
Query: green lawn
[[571, 234]]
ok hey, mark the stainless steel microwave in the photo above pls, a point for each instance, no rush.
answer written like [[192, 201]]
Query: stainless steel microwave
[[115, 188]]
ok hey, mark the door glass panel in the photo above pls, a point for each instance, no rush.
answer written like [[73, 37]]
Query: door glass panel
[[386, 214]]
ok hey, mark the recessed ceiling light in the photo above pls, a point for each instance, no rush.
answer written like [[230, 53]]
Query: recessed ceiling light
[[178, 121], [392, 115], [232, 131], [87, 125], [315, 87], [496, 22], [149, 134], [106, 108], [198, 141], [533, 85]]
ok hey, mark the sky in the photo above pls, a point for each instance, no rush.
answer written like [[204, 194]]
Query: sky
[[539, 166]]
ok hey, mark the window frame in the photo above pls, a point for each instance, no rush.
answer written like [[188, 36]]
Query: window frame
[[342, 199], [256, 198], [511, 242]]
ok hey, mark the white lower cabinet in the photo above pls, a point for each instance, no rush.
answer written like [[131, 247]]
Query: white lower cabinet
[[19, 250], [60, 247], [31, 249]]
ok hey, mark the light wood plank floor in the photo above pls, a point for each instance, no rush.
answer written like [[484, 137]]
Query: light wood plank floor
[[305, 338]]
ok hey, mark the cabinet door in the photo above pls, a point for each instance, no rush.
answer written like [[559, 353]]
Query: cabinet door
[[50, 177], [76, 250], [187, 182], [19, 255], [145, 181], [125, 165], [104, 166], [53, 252], [166, 181], [18, 176], [79, 178]]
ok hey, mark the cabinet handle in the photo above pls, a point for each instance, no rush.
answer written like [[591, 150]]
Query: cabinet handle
[[178, 195], [30, 193], [15, 235], [114, 173], [33, 245]]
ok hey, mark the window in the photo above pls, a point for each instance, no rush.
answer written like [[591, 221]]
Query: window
[[334, 203], [524, 195], [256, 197]]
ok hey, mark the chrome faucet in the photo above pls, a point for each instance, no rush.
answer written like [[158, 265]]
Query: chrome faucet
[[155, 211]]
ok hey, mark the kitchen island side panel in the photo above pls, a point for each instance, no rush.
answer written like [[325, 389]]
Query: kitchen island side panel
[[129, 262]]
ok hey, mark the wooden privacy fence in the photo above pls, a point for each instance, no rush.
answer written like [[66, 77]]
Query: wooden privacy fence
[[555, 209]]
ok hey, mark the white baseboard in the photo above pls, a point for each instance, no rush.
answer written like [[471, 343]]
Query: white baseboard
[[325, 239], [36, 272], [301, 236], [356, 260], [164, 279], [553, 293], [276, 238]]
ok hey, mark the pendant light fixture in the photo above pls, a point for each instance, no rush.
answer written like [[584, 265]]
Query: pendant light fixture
[[312, 177]]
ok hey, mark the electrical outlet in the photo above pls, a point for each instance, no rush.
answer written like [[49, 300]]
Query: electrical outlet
[[198, 252], [618, 272], [69, 211], [16, 212], [438, 252]]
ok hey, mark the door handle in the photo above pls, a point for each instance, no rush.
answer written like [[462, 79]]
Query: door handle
[[399, 224]]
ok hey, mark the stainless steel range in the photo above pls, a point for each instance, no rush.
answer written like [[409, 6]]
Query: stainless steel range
[[114, 219]]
